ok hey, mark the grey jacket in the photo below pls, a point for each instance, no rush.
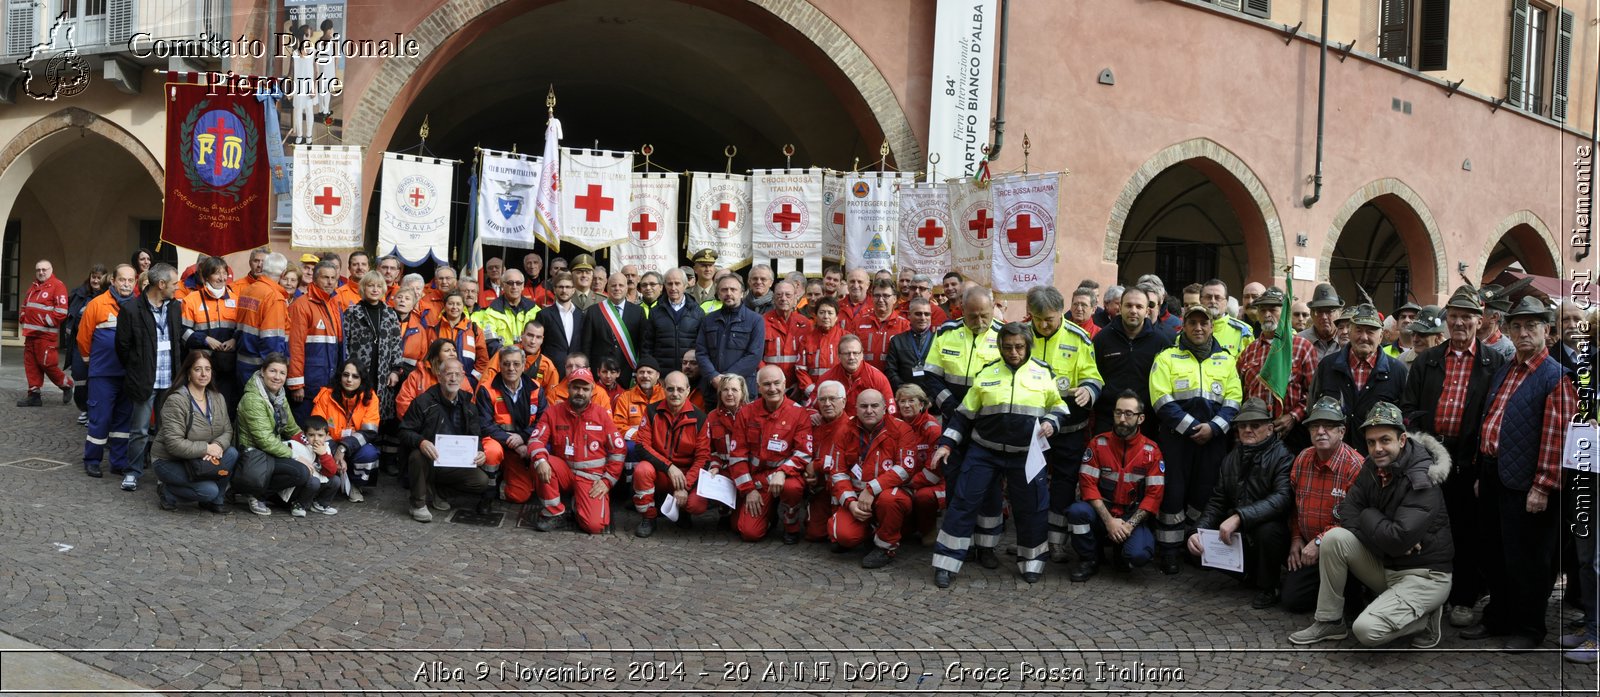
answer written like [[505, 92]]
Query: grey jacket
[[185, 432]]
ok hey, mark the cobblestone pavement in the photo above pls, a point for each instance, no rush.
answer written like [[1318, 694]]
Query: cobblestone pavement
[[370, 600]]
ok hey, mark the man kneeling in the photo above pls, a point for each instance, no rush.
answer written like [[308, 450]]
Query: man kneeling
[[1252, 500], [870, 487], [1394, 537], [576, 452]]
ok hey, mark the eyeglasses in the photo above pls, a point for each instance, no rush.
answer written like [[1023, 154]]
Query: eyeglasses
[[514, 283], [1125, 414]]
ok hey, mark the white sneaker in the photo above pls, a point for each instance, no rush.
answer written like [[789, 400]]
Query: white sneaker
[[324, 509], [130, 483], [421, 514], [356, 497]]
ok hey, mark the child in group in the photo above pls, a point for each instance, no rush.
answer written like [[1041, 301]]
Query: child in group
[[327, 475]]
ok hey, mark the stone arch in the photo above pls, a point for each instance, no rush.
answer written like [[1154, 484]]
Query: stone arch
[[1527, 220], [41, 138], [1238, 183], [394, 79], [1405, 208]]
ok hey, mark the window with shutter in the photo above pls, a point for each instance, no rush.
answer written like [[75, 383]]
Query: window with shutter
[[1258, 8], [21, 27], [1516, 54], [1563, 65], [1235, 5], [119, 21], [1433, 36], [1394, 31]]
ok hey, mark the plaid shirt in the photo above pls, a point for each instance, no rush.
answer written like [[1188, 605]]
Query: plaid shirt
[[1360, 369], [1453, 400], [1303, 366], [1559, 406], [1319, 488], [163, 348]]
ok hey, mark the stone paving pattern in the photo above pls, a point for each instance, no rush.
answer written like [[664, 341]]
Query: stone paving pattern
[[368, 599]]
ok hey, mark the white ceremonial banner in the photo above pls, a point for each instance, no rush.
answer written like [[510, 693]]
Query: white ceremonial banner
[[719, 216], [547, 203], [328, 212], [872, 218], [595, 186], [414, 208], [963, 79], [833, 218], [788, 207], [506, 189], [652, 241], [925, 229], [972, 214], [1027, 204]]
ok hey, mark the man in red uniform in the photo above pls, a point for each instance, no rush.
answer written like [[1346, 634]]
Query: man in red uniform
[[876, 326], [831, 427], [673, 448], [577, 451], [786, 332], [43, 310], [1121, 483], [853, 302], [854, 373], [869, 483], [926, 486], [771, 449]]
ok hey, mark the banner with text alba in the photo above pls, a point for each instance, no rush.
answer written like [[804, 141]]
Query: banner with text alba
[[1028, 206], [719, 216], [652, 241], [414, 208]]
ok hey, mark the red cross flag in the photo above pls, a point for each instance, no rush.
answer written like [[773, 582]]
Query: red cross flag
[[596, 186], [719, 216], [1024, 236], [789, 207], [414, 208], [833, 217], [925, 229], [972, 229], [652, 223], [328, 211]]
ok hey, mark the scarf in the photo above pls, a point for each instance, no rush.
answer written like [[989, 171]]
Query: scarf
[[279, 402], [1200, 352]]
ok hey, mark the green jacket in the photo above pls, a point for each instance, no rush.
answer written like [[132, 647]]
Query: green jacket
[[257, 427]]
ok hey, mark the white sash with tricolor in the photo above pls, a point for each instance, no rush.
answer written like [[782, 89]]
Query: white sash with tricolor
[[620, 331]]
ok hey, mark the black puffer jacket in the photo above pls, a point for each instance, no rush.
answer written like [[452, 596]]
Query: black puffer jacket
[[1253, 482], [1393, 520], [669, 335]]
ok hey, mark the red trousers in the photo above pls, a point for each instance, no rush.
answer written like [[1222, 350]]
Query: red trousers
[[39, 361], [926, 503], [650, 485], [790, 500], [818, 511], [515, 470], [594, 512], [889, 511]]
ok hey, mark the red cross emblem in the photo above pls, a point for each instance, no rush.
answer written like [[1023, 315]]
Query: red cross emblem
[[788, 218], [930, 232], [593, 203], [1024, 235], [326, 200], [725, 216], [981, 224], [417, 197], [644, 226]]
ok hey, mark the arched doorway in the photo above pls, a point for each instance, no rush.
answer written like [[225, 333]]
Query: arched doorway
[[1384, 241], [77, 190], [1194, 212], [1522, 241]]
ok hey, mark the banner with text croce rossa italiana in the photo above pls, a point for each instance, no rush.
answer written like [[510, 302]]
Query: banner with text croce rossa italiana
[[719, 216], [789, 209], [1025, 243]]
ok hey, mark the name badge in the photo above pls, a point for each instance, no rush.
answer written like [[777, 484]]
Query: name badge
[[916, 372], [855, 470], [345, 433], [591, 427], [1182, 384], [569, 450], [777, 446]]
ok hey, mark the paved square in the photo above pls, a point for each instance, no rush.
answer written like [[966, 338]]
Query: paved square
[[369, 599]]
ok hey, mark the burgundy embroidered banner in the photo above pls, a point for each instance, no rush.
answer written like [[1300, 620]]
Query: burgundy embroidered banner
[[217, 180]]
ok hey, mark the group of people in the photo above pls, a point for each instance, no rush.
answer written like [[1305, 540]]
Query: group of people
[[1418, 454]]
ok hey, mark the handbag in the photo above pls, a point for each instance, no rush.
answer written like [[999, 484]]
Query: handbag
[[254, 469]]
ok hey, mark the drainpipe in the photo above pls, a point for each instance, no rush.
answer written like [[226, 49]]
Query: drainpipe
[[1000, 86], [1322, 94]]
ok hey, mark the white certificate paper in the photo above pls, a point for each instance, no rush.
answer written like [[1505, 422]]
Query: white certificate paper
[[717, 488], [455, 451], [1218, 554], [1035, 462]]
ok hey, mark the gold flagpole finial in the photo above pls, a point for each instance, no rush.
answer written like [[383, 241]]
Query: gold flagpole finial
[[883, 155], [1026, 145], [788, 155], [423, 132], [550, 102]]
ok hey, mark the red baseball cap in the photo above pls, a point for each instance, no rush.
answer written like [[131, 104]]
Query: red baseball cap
[[581, 374]]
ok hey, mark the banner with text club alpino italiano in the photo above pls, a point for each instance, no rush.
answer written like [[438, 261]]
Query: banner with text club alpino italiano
[[652, 241], [1026, 241], [506, 189], [719, 216], [328, 211], [790, 210], [218, 182]]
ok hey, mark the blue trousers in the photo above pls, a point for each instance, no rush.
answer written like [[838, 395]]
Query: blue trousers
[[179, 488], [1191, 475], [1089, 535], [363, 464], [1062, 461], [138, 436], [108, 423], [981, 471]]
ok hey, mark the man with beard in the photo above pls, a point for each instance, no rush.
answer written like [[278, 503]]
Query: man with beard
[[1121, 483], [1359, 374], [563, 321], [1288, 412], [1126, 350], [730, 339], [576, 452], [1252, 500]]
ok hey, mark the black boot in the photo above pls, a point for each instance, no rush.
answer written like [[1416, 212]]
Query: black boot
[[32, 400], [986, 557], [1083, 571]]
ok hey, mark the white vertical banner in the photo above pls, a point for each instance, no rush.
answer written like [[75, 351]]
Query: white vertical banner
[[789, 211], [872, 218], [547, 202], [327, 211], [652, 241], [925, 228], [595, 187], [506, 189], [972, 215], [414, 208], [719, 216], [963, 79], [833, 218], [1028, 206]]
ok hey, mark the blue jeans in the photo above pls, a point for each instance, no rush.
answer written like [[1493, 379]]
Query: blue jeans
[[180, 489], [138, 436]]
